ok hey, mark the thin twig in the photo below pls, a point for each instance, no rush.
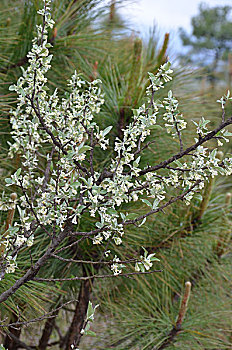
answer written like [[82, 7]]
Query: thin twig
[[172, 200], [94, 262], [94, 276], [38, 319]]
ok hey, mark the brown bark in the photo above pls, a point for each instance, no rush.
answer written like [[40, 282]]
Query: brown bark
[[74, 333], [178, 326], [47, 331], [112, 10], [10, 343]]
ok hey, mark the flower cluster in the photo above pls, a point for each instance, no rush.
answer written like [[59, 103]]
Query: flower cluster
[[117, 266], [175, 122], [146, 261]]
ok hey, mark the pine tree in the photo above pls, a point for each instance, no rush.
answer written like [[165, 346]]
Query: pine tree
[[191, 244]]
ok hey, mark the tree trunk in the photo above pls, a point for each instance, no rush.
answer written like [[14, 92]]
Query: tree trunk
[[47, 331], [10, 343], [74, 335]]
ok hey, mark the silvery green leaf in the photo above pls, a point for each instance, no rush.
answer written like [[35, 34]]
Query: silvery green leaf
[[145, 252], [154, 259], [90, 309], [18, 172], [146, 202], [156, 126], [170, 94], [90, 333], [131, 216], [227, 133], [143, 221], [198, 196], [123, 216], [155, 204], [107, 130], [137, 267], [112, 211], [12, 87], [9, 180], [84, 149]]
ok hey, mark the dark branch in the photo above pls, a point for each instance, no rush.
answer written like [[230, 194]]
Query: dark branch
[[94, 276], [172, 200], [38, 319], [179, 155]]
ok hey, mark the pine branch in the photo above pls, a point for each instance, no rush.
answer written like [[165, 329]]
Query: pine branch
[[178, 326]]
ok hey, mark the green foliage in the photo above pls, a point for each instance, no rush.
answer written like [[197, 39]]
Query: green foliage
[[210, 37], [144, 310], [211, 29]]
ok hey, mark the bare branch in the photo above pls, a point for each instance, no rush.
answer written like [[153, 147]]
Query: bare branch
[[179, 155], [129, 261], [38, 319], [179, 134], [94, 276], [172, 200]]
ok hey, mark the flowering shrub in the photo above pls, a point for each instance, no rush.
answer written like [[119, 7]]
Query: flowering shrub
[[59, 180]]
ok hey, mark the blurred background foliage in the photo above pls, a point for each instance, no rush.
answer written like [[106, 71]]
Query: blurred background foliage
[[192, 243]]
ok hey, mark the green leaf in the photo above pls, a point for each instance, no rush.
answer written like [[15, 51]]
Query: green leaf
[[178, 163], [227, 133], [18, 172], [151, 75], [131, 216], [75, 184], [51, 166], [22, 92], [91, 333], [123, 216], [13, 230], [12, 88], [145, 252], [136, 162], [156, 126], [135, 112], [84, 149], [143, 221], [90, 309], [154, 259], [146, 202], [213, 153], [107, 130], [155, 204], [198, 196], [8, 180], [112, 211]]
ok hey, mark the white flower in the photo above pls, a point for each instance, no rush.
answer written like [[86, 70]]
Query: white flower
[[116, 269], [73, 346], [74, 219], [98, 239], [20, 240], [11, 264], [107, 253], [117, 240], [30, 241], [135, 197]]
